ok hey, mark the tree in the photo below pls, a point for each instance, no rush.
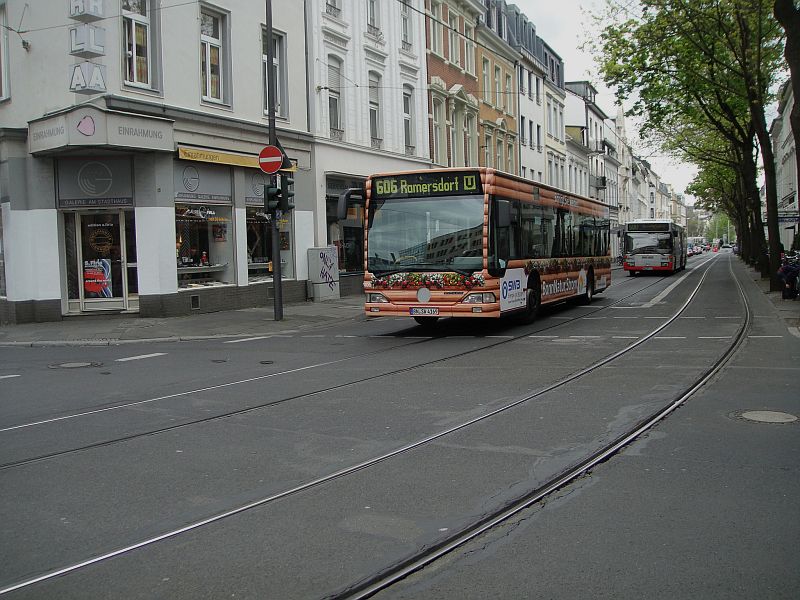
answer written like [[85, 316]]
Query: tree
[[708, 65]]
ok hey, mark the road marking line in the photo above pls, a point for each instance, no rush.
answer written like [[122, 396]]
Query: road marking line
[[626, 317], [252, 339], [321, 336], [663, 294], [590, 337], [765, 336], [141, 356], [691, 317], [726, 317], [670, 337], [498, 336], [546, 337], [709, 337], [592, 318], [625, 337], [655, 317], [9, 376]]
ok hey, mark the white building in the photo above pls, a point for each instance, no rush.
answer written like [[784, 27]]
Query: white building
[[368, 108], [531, 73], [130, 135], [785, 152], [555, 133]]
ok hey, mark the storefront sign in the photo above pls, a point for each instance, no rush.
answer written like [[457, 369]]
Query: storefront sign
[[91, 126], [94, 183], [200, 182]]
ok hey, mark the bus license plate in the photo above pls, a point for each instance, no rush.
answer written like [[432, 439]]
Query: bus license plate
[[424, 311]]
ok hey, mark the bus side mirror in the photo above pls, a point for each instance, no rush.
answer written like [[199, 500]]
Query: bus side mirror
[[503, 213], [344, 197]]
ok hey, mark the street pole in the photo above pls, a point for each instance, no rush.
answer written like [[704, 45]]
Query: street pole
[[273, 141]]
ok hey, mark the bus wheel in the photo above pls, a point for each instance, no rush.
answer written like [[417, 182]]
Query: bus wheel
[[533, 299], [587, 298], [426, 322]]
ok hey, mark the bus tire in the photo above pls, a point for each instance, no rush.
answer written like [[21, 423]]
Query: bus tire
[[533, 298], [589, 295], [426, 322]]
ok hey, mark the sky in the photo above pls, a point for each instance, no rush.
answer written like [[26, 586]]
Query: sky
[[564, 25]]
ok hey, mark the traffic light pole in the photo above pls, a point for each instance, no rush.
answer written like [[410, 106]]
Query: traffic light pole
[[273, 140]]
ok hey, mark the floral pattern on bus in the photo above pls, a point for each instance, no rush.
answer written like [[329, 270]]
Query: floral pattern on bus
[[569, 265], [428, 280]]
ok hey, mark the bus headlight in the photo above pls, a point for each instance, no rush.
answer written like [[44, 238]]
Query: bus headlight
[[376, 298], [480, 298]]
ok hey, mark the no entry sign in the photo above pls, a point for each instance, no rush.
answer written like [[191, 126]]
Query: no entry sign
[[270, 159]]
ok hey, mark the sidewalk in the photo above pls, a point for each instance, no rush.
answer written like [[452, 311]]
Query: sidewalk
[[107, 330]]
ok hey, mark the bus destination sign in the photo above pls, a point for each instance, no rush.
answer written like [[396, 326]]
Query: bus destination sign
[[427, 185], [648, 226]]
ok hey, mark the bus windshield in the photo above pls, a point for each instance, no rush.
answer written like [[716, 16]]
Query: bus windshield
[[426, 234], [640, 242]]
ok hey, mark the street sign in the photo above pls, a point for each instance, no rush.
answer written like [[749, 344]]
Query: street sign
[[270, 159]]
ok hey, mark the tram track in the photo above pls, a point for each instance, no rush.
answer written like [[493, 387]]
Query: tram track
[[263, 405], [383, 580], [365, 588]]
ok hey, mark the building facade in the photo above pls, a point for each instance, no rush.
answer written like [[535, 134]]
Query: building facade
[[132, 184], [496, 60], [368, 110], [453, 82], [785, 152], [530, 86]]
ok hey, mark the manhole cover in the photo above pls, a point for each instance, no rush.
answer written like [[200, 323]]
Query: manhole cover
[[768, 416], [75, 365]]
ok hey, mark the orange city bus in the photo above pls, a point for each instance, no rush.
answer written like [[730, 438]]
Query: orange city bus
[[476, 242]]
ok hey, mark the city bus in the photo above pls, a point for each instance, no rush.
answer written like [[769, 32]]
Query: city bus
[[654, 245], [477, 242]]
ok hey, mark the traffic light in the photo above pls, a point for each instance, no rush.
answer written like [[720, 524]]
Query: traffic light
[[272, 196], [285, 201]]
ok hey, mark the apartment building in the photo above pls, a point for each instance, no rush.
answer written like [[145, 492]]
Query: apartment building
[[368, 107], [129, 141]]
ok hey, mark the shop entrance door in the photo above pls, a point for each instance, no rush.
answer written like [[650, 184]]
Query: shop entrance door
[[102, 261]]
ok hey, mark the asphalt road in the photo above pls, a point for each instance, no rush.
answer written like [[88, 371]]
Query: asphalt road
[[214, 469]]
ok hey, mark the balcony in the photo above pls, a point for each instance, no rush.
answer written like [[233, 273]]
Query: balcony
[[411, 150], [337, 135], [407, 47], [599, 182], [333, 10], [377, 143], [374, 30]]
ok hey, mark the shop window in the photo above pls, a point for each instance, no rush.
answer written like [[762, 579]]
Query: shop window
[[204, 245], [347, 235], [259, 244]]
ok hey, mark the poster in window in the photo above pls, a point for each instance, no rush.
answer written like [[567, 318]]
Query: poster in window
[[97, 278], [220, 232]]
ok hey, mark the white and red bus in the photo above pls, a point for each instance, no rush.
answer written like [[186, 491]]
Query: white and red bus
[[654, 245], [476, 242]]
